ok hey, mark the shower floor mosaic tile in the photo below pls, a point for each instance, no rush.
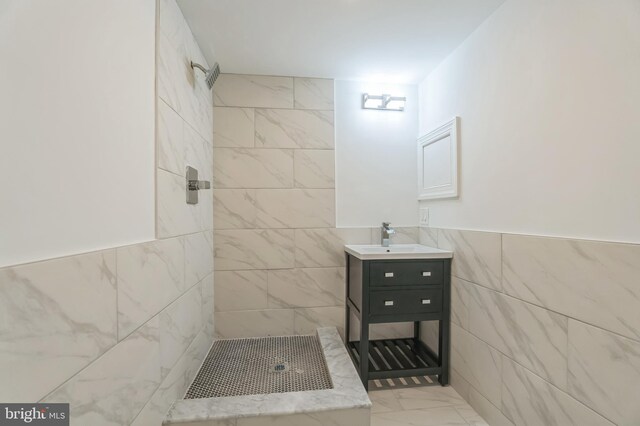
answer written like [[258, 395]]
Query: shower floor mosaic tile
[[261, 366]]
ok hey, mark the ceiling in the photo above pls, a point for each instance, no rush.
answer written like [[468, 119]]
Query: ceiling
[[392, 41]]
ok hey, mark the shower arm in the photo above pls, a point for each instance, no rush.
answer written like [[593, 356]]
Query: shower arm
[[200, 67]]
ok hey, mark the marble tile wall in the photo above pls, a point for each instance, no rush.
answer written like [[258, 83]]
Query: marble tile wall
[[273, 192], [279, 256], [544, 330], [120, 333]]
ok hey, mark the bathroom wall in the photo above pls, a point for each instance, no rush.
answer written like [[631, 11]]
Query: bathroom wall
[[548, 96], [376, 170], [545, 329], [74, 108], [119, 333], [279, 256]]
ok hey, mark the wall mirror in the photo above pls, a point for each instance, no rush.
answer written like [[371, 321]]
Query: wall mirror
[[438, 162]]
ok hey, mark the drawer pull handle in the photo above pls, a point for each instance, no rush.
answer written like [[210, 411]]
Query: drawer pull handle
[[426, 301], [426, 274], [388, 274], [388, 303]]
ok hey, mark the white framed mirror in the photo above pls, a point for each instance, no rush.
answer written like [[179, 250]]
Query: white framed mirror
[[438, 162]]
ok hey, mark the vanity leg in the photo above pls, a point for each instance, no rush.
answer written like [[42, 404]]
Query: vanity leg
[[347, 314], [416, 330], [364, 353], [444, 329], [347, 325]]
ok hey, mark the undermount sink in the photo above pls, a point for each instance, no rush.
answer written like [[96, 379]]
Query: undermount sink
[[396, 251]]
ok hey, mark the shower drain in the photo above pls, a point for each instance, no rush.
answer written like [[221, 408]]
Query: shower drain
[[261, 365]]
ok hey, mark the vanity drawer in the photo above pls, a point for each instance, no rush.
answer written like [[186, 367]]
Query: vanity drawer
[[406, 273], [405, 301]]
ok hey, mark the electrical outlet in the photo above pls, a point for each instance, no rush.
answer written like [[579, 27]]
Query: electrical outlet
[[424, 217]]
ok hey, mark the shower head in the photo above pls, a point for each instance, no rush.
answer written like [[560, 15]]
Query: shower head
[[211, 75]]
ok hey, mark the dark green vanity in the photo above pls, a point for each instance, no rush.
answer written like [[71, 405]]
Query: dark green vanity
[[403, 283]]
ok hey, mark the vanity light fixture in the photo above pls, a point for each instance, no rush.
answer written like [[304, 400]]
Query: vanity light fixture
[[383, 102]]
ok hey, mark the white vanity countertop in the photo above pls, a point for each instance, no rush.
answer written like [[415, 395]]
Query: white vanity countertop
[[396, 251]]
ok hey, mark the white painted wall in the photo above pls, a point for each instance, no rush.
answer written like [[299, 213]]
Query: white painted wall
[[376, 168], [549, 96], [76, 126]]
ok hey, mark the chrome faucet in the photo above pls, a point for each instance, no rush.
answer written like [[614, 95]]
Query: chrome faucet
[[387, 231]]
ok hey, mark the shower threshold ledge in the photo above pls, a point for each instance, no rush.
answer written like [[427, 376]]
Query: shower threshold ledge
[[347, 403]]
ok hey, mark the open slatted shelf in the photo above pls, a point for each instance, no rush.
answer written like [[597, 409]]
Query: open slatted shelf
[[397, 358]]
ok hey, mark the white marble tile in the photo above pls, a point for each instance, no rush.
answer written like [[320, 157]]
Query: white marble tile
[[478, 363], [56, 317], [528, 400], [591, 281], [604, 372], [391, 330], [222, 422], [445, 416], [486, 410], [268, 322], [313, 93], [532, 336], [477, 255], [233, 127], [470, 416], [384, 401], [178, 84], [234, 208], [198, 153], [176, 217], [240, 290], [288, 128], [352, 417], [325, 247], [252, 168], [150, 276], [180, 322], [253, 91], [314, 168], [208, 306], [175, 384], [203, 211], [116, 387], [254, 249], [171, 21], [170, 138], [307, 320], [428, 236], [172, 388], [171, 71], [459, 383], [295, 208], [430, 334], [198, 249], [306, 287], [460, 302], [427, 397]]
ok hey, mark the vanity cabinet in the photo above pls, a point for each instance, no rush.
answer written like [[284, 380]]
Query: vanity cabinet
[[406, 290]]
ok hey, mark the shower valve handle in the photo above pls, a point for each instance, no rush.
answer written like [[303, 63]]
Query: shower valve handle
[[193, 185], [196, 185]]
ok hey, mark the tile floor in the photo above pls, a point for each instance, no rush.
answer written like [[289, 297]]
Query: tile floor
[[422, 406]]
